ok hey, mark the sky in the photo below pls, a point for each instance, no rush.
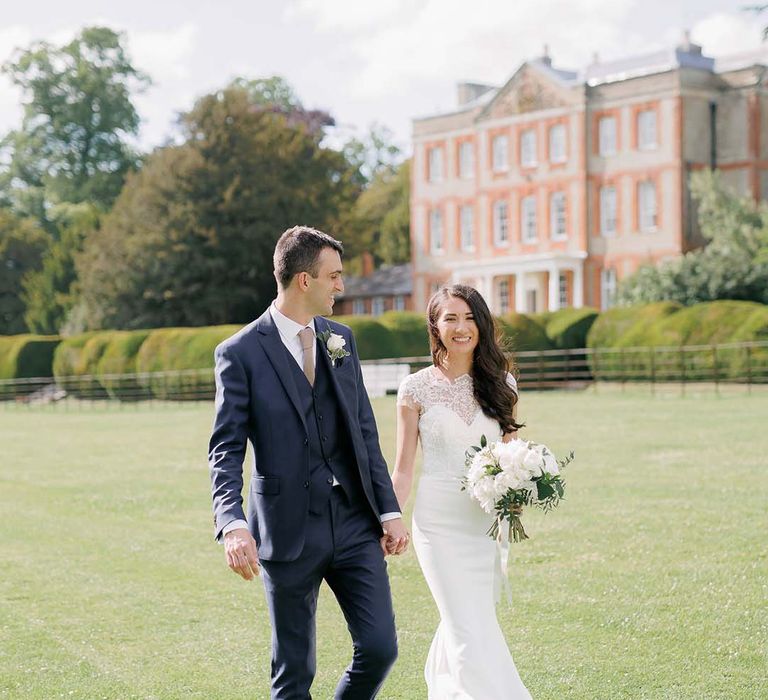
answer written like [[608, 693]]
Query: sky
[[364, 61]]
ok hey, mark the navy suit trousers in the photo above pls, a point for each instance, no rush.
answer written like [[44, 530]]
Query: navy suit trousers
[[342, 547]]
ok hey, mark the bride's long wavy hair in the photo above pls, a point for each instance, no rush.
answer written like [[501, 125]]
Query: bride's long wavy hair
[[489, 363]]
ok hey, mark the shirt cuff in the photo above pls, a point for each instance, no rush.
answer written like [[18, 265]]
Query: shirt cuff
[[234, 525], [389, 516]]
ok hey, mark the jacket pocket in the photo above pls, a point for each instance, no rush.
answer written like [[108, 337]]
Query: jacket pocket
[[268, 485]]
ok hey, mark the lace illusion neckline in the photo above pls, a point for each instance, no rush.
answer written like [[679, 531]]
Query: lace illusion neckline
[[441, 376]]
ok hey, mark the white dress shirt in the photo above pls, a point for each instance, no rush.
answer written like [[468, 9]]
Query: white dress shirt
[[289, 333]]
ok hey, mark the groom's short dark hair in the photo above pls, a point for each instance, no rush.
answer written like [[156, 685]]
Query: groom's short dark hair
[[298, 250]]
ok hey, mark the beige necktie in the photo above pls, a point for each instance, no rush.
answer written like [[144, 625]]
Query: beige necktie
[[307, 337]]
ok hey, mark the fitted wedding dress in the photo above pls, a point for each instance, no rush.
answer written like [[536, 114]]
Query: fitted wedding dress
[[469, 658]]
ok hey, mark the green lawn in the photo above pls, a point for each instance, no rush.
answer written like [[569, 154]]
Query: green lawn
[[650, 581]]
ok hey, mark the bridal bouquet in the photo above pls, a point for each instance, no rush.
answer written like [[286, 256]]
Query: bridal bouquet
[[504, 476]]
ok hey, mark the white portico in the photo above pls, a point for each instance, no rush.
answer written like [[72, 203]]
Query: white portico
[[525, 283]]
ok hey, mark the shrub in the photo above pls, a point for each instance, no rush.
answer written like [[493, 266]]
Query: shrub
[[567, 328], [119, 358], [374, 340], [176, 349], [409, 331], [23, 356], [624, 326], [522, 333], [75, 362]]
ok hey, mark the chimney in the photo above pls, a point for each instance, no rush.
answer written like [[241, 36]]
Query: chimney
[[546, 59], [469, 92], [687, 46], [367, 260]]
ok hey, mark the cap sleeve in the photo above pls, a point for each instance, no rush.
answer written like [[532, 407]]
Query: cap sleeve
[[407, 394], [511, 382]]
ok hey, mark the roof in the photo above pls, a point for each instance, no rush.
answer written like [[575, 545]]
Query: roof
[[388, 280]]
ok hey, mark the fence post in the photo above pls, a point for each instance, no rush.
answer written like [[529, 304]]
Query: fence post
[[621, 369], [748, 348], [682, 371], [595, 352], [653, 370], [540, 368], [714, 367]]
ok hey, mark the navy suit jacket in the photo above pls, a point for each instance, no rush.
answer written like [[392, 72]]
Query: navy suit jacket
[[257, 400]]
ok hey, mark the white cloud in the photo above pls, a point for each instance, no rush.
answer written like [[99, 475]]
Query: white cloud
[[729, 33], [348, 14], [164, 54], [447, 40]]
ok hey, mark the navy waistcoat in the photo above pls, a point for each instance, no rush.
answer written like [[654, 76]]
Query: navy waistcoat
[[330, 449]]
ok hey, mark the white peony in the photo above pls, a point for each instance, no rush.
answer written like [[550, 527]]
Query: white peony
[[336, 342]]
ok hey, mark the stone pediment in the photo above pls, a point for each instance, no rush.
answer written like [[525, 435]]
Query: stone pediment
[[528, 90]]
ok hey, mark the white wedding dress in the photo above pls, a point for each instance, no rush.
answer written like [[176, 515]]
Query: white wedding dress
[[469, 658]]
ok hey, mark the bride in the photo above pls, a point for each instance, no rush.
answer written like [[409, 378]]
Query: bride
[[466, 393]]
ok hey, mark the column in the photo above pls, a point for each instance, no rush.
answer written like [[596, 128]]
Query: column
[[578, 285], [520, 292], [553, 292], [486, 289]]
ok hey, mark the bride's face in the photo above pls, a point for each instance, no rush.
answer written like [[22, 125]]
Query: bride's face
[[457, 328]]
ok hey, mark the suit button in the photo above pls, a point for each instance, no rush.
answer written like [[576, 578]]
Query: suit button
[[306, 484], [306, 441], [325, 439], [319, 418], [330, 479]]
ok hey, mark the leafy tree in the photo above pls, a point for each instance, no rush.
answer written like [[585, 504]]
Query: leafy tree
[[190, 239], [375, 155], [21, 247], [733, 264], [381, 218], [50, 293], [78, 116]]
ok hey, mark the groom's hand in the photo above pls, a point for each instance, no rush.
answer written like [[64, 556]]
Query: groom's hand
[[396, 537], [242, 555]]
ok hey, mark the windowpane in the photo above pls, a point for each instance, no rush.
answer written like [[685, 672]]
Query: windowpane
[[500, 153], [436, 230], [557, 222], [646, 129], [500, 223], [562, 290], [503, 296], [528, 148], [528, 219], [377, 306], [608, 288], [466, 160], [467, 224], [646, 195], [435, 173], [557, 144], [608, 211], [607, 135]]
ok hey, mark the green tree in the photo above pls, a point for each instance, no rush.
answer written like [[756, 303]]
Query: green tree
[[78, 118], [190, 239], [732, 265], [21, 247], [381, 218], [50, 293]]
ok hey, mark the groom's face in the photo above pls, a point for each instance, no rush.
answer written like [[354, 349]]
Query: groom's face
[[323, 289]]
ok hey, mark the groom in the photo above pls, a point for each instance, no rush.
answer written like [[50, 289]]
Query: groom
[[321, 504]]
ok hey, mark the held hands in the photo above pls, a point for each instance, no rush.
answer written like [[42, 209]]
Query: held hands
[[241, 553], [396, 537]]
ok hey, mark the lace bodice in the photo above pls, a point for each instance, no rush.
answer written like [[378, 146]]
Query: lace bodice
[[450, 419]]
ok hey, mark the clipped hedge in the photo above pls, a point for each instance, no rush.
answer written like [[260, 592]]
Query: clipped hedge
[[669, 326], [523, 333], [27, 355], [409, 330], [373, 339], [624, 326], [175, 349], [567, 329], [76, 360], [119, 358]]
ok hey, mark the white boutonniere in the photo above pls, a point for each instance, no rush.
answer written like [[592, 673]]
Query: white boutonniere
[[334, 344]]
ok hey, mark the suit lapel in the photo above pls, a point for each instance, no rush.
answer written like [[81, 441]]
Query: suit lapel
[[278, 356], [322, 354]]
